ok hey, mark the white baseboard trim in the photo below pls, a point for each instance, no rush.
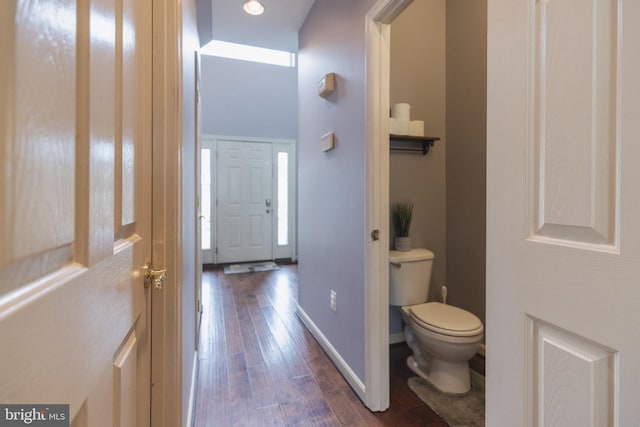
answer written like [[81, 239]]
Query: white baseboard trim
[[396, 338], [343, 367], [192, 393]]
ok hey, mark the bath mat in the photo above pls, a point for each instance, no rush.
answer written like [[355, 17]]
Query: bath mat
[[250, 267], [458, 411]]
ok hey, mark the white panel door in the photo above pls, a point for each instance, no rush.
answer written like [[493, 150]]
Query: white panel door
[[75, 208], [563, 235], [245, 205]]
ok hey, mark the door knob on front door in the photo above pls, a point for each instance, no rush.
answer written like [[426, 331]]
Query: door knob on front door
[[269, 210]]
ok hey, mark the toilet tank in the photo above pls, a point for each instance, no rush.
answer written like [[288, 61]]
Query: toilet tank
[[409, 276]]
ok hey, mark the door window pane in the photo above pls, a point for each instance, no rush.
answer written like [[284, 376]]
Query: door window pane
[[283, 198], [205, 197]]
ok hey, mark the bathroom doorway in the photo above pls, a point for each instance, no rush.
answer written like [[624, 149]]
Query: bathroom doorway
[[429, 66], [438, 66]]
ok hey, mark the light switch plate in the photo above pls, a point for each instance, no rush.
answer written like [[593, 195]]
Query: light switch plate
[[327, 142]]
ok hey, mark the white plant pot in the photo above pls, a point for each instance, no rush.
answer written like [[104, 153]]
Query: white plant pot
[[402, 243]]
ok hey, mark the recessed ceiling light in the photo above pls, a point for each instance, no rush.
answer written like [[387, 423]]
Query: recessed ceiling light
[[253, 7]]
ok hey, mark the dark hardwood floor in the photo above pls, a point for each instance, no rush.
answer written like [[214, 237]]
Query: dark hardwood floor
[[259, 366]]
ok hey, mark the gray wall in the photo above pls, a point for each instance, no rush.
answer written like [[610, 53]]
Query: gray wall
[[442, 46], [466, 153], [204, 18], [332, 185], [418, 76], [241, 98]]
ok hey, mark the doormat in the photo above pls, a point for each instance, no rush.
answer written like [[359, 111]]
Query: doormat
[[465, 410], [250, 267]]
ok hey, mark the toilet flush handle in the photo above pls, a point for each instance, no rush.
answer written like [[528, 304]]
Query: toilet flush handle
[[396, 264]]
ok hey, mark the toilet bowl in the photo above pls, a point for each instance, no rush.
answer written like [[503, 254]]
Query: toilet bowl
[[443, 338]]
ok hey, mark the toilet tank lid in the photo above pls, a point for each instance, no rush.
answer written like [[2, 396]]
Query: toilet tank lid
[[410, 255]]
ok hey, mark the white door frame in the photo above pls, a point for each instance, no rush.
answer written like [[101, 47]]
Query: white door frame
[[198, 181], [289, 145], [377, 37], [166, 358]]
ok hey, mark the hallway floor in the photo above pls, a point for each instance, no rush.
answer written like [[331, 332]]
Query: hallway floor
[[259, 366]]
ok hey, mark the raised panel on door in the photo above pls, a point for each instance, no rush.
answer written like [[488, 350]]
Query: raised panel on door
[[575, 108], [563, 240], [574, 378], [125, 387], [37, 233], [244, 201], [72, 302]]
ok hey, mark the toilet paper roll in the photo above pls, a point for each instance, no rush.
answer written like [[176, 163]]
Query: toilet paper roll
[[401, 111], [398, 126], [416, 128], [402, 127], [393, 126]]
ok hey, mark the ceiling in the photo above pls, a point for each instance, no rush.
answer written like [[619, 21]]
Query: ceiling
[[276, 28]]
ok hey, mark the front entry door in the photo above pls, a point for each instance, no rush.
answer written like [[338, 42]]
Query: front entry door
[[75, 109], [245, 204], [563, 212]]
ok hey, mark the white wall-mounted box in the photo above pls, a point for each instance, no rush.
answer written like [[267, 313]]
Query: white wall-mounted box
[[327, 142], [326, 85]]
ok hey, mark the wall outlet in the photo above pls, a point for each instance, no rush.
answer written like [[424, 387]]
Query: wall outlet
[[333, 300]]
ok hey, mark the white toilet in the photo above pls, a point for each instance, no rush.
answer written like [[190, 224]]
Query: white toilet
[[443, 338]]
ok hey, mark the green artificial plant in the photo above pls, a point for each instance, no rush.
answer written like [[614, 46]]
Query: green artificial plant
[[401, 213]]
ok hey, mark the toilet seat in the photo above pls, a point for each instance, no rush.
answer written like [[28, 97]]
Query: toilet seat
[[446, 319]]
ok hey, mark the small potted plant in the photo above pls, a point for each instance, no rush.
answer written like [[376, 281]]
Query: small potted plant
[[401, 213]]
